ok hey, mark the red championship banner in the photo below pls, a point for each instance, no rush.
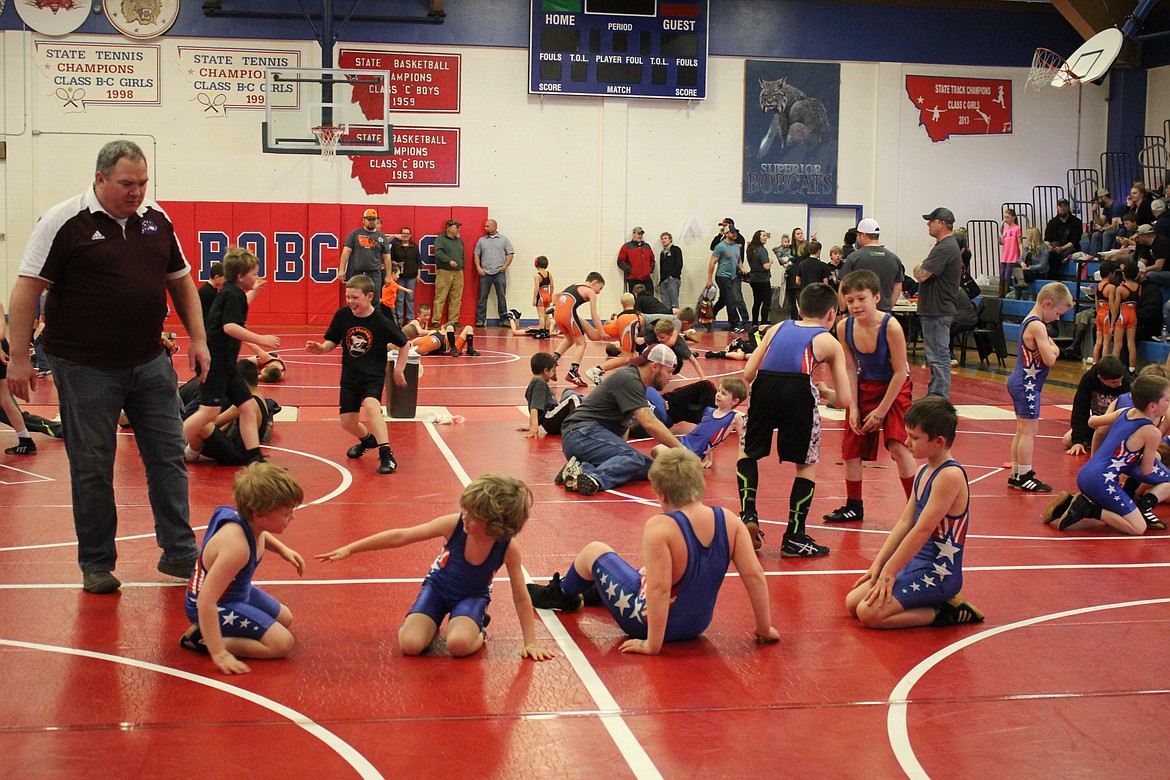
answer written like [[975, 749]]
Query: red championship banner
[[953, 106], [419, 82], [423, 157], [299, 247]]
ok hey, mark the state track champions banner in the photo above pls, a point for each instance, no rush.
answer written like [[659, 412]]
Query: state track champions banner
[[299, 246], [948, 105], [791, 125]]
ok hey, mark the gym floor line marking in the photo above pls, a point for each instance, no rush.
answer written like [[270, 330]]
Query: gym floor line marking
[[611, 714], [346, 482], [899, 699], [335, 743], [796, 573]]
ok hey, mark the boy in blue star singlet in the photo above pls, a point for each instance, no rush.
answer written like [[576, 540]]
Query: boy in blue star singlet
[[230, 617], [916, 577], [1035, 354], [686, 550], [478, 541]]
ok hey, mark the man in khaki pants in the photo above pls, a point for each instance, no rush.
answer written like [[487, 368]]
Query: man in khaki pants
[[449, 264]]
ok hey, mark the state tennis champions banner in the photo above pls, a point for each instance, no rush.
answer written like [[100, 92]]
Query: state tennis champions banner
[[791, 122], [299, 247]]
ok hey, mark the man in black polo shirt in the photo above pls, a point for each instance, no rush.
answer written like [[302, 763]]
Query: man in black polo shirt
[[108, 258]]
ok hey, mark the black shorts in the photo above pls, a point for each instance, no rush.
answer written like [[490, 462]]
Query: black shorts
[[222, 389], [224, 449], [786, 404], [353, 393], [3, 365]]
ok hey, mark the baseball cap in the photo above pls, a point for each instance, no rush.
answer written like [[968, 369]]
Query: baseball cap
[[1143, 230], [659, 353], [1102, 192], [371, 214], [638, 230], [941, 214], [454, 222], [727, 221], [868, 226]]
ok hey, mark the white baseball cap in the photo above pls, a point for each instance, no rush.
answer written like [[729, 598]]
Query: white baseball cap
[[659, 353], [869, 226]]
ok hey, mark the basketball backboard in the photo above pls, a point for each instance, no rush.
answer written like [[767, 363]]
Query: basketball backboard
[[344, 99], [1092, 60]]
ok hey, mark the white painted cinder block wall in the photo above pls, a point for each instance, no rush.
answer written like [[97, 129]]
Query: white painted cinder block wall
[[566, 177]]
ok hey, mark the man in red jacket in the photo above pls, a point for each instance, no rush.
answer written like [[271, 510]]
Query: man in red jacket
[[636, 259]]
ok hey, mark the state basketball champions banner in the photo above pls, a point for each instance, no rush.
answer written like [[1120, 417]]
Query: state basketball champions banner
[[791, 122], [299, 246], [955, 106]]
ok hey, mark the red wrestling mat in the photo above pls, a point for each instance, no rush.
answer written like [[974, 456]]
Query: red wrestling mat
[[88, 677]]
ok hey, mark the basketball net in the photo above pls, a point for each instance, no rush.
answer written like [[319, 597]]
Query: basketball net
[[1049, 69], [329, 137]]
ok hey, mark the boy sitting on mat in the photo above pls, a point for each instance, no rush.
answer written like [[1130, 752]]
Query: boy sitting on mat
[[916, 576], [686, 549]]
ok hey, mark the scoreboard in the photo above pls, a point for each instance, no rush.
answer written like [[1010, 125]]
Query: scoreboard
[[633, 48]]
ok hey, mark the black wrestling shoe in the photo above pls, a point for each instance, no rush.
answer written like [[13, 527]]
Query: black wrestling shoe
[[471, 351], [752, 523], [24, 446], [803, 546], [1080, 508], [359, 449], [386, 462], [1145, 505], [552, 597], [846, 514], [957, 611], [1028, 483], [193, 640], [1057, 507]]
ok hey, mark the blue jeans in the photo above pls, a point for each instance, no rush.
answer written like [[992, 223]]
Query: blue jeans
[[1100, 241], [936, 343], [605, 456], [668, 291], [90, 400], [404, 305], [486, 282], [731, 296], [375, 277]]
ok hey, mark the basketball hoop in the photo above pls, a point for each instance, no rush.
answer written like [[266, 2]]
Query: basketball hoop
[[329, 136], [1049, 69]]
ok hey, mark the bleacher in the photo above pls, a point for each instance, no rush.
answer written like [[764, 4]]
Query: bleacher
[[1117, 170]]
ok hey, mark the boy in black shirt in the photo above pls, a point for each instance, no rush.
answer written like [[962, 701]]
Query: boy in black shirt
[[226, 327], [364, 333]]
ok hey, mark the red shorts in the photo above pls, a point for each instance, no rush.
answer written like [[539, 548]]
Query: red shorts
[[869, 396], [543, 299]]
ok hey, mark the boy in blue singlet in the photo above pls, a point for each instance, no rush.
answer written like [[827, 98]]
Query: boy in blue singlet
[[1130, 449], [479, 540], [784, 400], [1035, 354], [873, 341], [230, 617], [687, 550], [917, 575], [718, 422]]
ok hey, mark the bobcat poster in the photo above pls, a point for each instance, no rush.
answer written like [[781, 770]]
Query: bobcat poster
[[791, 118]]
